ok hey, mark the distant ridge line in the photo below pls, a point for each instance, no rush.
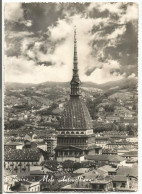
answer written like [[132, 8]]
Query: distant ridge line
[[123, 82]]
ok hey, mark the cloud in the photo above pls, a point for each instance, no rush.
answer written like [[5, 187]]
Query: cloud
[[14, 14], [61, 30], [13, 11], [117, 32], [15, 64], [109, 71], [39, 41], [62, 36], [102, 75], [21, 34], [15, 42], [27, 23], [132, 75], [131, 13], [32, 73], [113, 7]]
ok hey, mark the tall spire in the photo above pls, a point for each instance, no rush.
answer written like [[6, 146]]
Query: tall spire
[[75, 82], [75, 62]]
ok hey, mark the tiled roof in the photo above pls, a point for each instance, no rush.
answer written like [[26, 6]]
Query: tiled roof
[[129, 121], [107, 168], [116, 159], [119, 178], [81, 170], [103, 181], [37, 172], [22, 155], [100, 171], [109, 158], [109, 151], [97, 157], [90, 174], [122, 150], [13, 143], [131, 171], [131, 153], [79, 147], [119, 143], [68, 148], [102, 138], [31, 145], [75, 115]]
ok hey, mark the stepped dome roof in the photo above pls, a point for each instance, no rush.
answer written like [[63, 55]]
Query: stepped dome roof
[[75, 115]]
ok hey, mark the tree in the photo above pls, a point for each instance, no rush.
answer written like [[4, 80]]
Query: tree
[[76, 165], [51, 164], [121, 127], [15, 124], [134, 107], [132, 130], [68, 164]]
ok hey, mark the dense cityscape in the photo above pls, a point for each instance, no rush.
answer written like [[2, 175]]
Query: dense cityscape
[[32, 114]]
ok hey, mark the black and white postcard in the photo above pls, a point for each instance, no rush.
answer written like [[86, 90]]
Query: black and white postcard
[[70, 97]]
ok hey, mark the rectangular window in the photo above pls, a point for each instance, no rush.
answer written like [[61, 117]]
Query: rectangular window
[[123, 184], [114, 185], [101, 186], [97, 151], [94, 187]]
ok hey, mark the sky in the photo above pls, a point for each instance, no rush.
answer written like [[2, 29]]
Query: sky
[[39, 41]]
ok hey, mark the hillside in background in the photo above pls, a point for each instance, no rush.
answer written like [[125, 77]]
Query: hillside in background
[[42, 104], [120, 84]]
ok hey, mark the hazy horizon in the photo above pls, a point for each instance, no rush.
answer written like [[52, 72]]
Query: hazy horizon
[[69, 82]]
